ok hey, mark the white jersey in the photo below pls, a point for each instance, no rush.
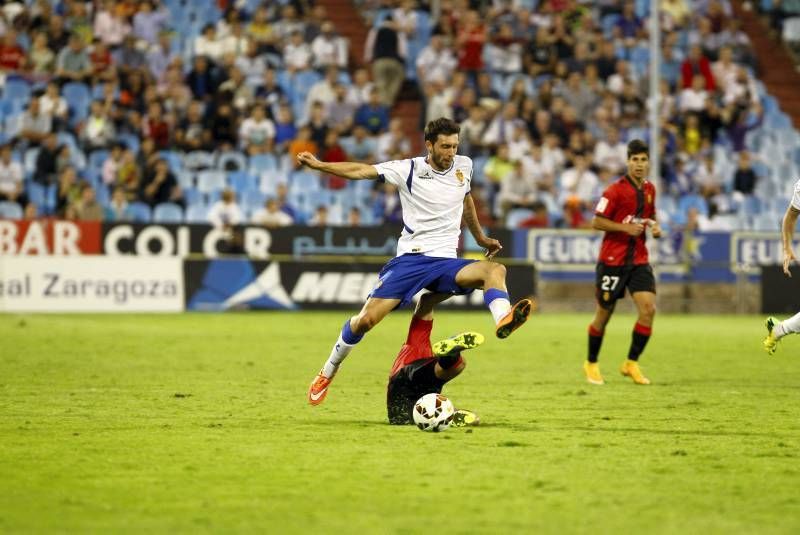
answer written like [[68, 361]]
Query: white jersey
[[432, 203], [796, 196]]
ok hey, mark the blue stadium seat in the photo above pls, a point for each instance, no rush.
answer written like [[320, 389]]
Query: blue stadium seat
[[232, 161], [304, 181], [140, 212], [199, 159], [174, 160], [185, 179], [17, 90], [242, 181], [210, 181], [44, 197], [192, 196], [97, 158], [197, 213], [167, 213], [10, 210], [130, 141], [262, 163], [78, 98]]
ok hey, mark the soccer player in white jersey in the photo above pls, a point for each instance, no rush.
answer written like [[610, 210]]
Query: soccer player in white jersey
[[434, 194], [778, 329]]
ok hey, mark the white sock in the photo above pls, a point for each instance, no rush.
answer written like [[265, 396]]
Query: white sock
[[339, 351], [791, 325], [499, 308]]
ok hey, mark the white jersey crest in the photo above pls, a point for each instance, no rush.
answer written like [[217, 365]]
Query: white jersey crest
[[432, 203]]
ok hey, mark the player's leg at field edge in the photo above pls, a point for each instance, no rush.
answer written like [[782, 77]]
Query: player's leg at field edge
[[646, 305], [354, 329], [597, 329]]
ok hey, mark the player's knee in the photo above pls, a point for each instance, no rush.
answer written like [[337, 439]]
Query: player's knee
[[648, 310], [458, 368], [499, 270]]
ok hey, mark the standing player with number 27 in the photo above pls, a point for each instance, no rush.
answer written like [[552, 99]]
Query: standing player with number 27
[[625, 212]]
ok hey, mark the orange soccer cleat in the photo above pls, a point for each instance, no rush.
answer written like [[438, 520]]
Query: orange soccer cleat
[[631, 369], [319, 389], [514, 318]]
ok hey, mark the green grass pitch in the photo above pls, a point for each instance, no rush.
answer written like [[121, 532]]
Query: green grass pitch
[[199, 423]]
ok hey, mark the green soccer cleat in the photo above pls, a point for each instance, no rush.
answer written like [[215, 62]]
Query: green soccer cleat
[[456, 344], [464, 418], [771, 342]]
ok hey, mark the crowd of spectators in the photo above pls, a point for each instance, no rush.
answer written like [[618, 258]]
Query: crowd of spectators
[[122, 107]]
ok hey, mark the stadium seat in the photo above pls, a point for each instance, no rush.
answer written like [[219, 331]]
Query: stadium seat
[[241, 181], [17, 90], [140, 212], [185, 179], [304, 181], [10, 210], [174, 160], [197, 213], [167, 213], [44, 197], [261, 163], [97, 158], [130, 141], [232, 161], [199, 159], [210, 181], [78, 98]]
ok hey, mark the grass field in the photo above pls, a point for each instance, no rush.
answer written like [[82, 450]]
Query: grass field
[[199, 423]]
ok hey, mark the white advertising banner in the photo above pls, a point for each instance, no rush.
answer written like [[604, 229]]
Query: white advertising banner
[[90, 284]]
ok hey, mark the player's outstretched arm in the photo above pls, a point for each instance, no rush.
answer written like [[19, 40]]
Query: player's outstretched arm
[[470, 217], [787, 232], [349, 170]]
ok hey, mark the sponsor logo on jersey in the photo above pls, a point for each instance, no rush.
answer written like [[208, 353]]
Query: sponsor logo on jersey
[[601, 205]]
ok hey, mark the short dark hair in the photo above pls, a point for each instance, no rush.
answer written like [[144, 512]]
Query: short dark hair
[[443, 126], [637, 146]]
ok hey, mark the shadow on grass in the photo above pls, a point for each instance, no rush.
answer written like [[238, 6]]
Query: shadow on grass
[[702, 433]]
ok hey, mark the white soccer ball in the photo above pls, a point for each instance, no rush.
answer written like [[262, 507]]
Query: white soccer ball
[[433, 412]]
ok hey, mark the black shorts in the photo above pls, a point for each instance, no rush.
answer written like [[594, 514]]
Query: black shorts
[[611, 282], [407, 386]]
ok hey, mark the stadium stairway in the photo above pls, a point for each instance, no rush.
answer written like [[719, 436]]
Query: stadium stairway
[[349, 23], [777, 70]]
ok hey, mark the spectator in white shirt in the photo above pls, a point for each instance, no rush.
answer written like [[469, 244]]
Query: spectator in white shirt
[[611, 153], [297, 54], [108, 27], [10, 177], [394, 144], [359, 91], [329, 49], [112, 163], [225, 213], [405, 17], [271, 215], [257, 133], [693, 99], [516, 190], [323, 91], [207, 44], [579, 180], [54, 105], [436, 61]]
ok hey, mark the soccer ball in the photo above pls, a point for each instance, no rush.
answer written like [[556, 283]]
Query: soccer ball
[[433, 412]]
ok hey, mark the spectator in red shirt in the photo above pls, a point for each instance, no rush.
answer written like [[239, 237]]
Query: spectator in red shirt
[[101, 62], [12, 56], [697, 63], [332, 151], [469, 42], [155, 127]]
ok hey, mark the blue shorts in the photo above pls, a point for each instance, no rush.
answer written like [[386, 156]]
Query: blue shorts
[[404, 276]]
